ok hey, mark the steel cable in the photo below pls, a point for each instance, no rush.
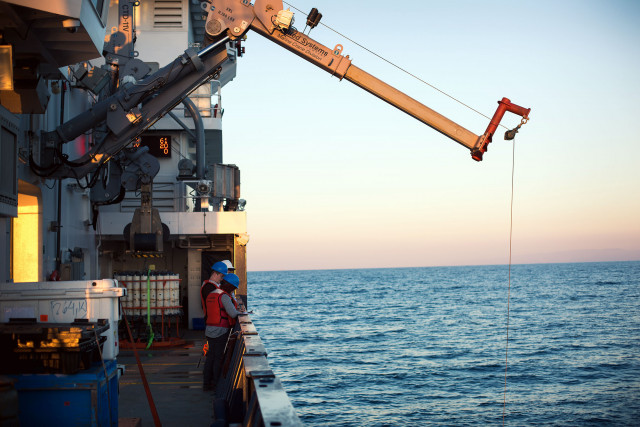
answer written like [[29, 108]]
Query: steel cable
[[506, 356], [398, 67]]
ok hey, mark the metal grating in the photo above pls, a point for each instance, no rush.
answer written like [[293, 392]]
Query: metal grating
[[167, 14]]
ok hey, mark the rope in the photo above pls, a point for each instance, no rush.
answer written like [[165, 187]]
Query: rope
[[151, 334], [145, 383], [398, 67], [506, 356]]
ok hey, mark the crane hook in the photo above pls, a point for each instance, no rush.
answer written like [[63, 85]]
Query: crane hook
[[511, 134]]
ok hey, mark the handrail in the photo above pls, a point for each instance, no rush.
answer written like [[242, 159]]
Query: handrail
[[252, 394]]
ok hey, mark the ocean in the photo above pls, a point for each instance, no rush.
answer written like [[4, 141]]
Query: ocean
[[427, 346]]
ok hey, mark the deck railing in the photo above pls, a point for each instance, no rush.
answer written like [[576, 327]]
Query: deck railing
[[252, 394]]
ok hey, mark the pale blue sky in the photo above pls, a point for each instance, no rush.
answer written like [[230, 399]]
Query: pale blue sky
[[335, 178]]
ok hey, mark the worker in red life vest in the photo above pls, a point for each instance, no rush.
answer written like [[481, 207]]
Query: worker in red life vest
[[231, 269], [218, 271], [221, 310]]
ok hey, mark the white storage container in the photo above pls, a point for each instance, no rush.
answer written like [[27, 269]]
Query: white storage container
[[63, 302]]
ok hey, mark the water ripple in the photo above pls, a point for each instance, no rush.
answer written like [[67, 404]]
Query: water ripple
[[350, 353]]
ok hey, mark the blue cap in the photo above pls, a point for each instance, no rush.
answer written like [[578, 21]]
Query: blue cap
[[232, 279], [220, 267]]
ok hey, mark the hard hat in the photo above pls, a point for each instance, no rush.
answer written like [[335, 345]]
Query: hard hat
[[229, 265], [220, 267], [232, 279]]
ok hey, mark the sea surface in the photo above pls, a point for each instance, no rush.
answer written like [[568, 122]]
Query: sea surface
[[427, 346]]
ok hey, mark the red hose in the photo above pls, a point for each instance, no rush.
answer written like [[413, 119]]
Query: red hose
[[152, 405]]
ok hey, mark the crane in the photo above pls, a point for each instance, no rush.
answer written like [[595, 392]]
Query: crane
[[234, 18], [144, 98]]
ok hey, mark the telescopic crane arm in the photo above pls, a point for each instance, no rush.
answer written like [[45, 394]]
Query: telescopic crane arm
[[234, 18], [132, 109]]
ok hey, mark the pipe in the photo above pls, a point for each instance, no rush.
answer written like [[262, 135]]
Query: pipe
[[181, 123], [131, 95], [204, 52], [59, 207], [197, 120]]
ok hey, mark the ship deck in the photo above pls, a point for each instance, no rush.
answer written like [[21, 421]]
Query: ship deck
[[175, 381]]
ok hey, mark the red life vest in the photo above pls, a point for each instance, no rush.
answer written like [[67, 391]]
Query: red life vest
[[216, 314], [202, 300], [209, 281]]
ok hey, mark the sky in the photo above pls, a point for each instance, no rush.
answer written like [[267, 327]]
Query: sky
[[335, 178]]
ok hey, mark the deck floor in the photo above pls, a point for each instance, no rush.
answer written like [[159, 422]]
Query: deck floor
[[175, 381]]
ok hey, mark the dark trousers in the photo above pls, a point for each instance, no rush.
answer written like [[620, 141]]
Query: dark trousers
[[214, 360]]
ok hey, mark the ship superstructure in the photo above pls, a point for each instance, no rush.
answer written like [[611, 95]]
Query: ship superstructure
[[70, 228], [88, 192]]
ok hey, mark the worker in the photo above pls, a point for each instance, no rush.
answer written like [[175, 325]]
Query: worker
[[231, 269], [218, 270], [221, 311], [230, 266]]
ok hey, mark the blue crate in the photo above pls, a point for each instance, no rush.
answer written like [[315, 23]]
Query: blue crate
[[88, 398]]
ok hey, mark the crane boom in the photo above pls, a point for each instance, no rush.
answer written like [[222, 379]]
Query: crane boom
[[135, 107], [234, 18], [412, 107]]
